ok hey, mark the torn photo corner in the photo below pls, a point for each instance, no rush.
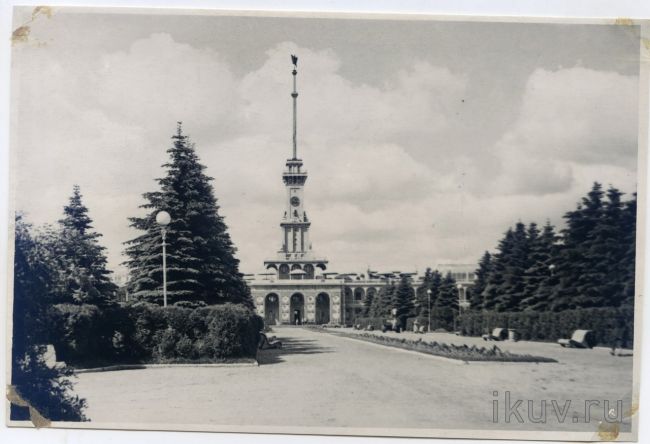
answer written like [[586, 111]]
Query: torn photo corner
[[465, 260]]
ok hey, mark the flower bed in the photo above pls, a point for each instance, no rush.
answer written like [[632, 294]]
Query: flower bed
[[450, 351]]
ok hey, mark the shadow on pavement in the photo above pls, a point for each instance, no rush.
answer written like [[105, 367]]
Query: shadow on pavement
[[290, 346]]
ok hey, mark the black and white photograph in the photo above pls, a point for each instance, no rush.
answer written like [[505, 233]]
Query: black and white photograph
[[326, 223]]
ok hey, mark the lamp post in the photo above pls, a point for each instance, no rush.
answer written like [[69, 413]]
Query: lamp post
[[163, 219], [429, 311], [461, 301]]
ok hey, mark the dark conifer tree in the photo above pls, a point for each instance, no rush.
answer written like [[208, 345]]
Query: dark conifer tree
[[604, 282], [495, 280], [540, 278], [201, 263], [628, 223], [435, 287], [403, 300], [422, 299], [482, 274], [382, 303], [514, 265], [448, 293], [84, 278], [446, 304], [573, 264]]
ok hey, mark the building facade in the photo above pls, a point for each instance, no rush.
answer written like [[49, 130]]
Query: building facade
[[297, 288]]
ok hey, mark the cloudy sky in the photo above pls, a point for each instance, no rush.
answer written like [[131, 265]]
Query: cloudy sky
[[424, 140]]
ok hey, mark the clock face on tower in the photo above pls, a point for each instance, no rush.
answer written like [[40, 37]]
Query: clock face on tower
[[295, 201]]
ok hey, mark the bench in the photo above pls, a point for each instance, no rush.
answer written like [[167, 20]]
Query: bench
[[579, 339], [498, 334], [266, 342]]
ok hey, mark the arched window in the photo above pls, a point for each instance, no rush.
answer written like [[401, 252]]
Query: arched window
[[272, 309]]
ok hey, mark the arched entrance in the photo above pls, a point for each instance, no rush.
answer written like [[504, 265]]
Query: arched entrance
[[322, 308], [297, 308], [271, 309]]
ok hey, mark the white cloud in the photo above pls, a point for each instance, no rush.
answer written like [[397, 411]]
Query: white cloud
[[568, 118], [105, 123]]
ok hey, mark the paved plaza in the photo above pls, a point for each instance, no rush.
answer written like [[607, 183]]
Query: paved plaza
[[322, 380]]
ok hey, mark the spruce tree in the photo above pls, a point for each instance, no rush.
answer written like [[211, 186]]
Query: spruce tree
[[540, 278], [514, 264], [628, 224], [435, 287], [382, 303], [422, 298], [448, 293], [201, 263], [403, 300], [603, 284], [85, 278], [482, 274], [446, 304], [495, 280], [574, 261]]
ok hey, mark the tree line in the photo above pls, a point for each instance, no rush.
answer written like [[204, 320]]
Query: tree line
[[436, 294], [589, 263]]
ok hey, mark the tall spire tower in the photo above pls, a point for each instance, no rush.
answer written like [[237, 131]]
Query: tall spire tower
[[294, 94], [295, 260]]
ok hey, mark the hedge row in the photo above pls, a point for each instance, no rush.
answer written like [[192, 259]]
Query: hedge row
[[608, 324], [84, 335]]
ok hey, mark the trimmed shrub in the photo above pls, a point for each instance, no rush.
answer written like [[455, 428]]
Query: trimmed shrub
[[232, 332], [610, 325], [77, 333], [165, 347], [84, 335], [184, 348]]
